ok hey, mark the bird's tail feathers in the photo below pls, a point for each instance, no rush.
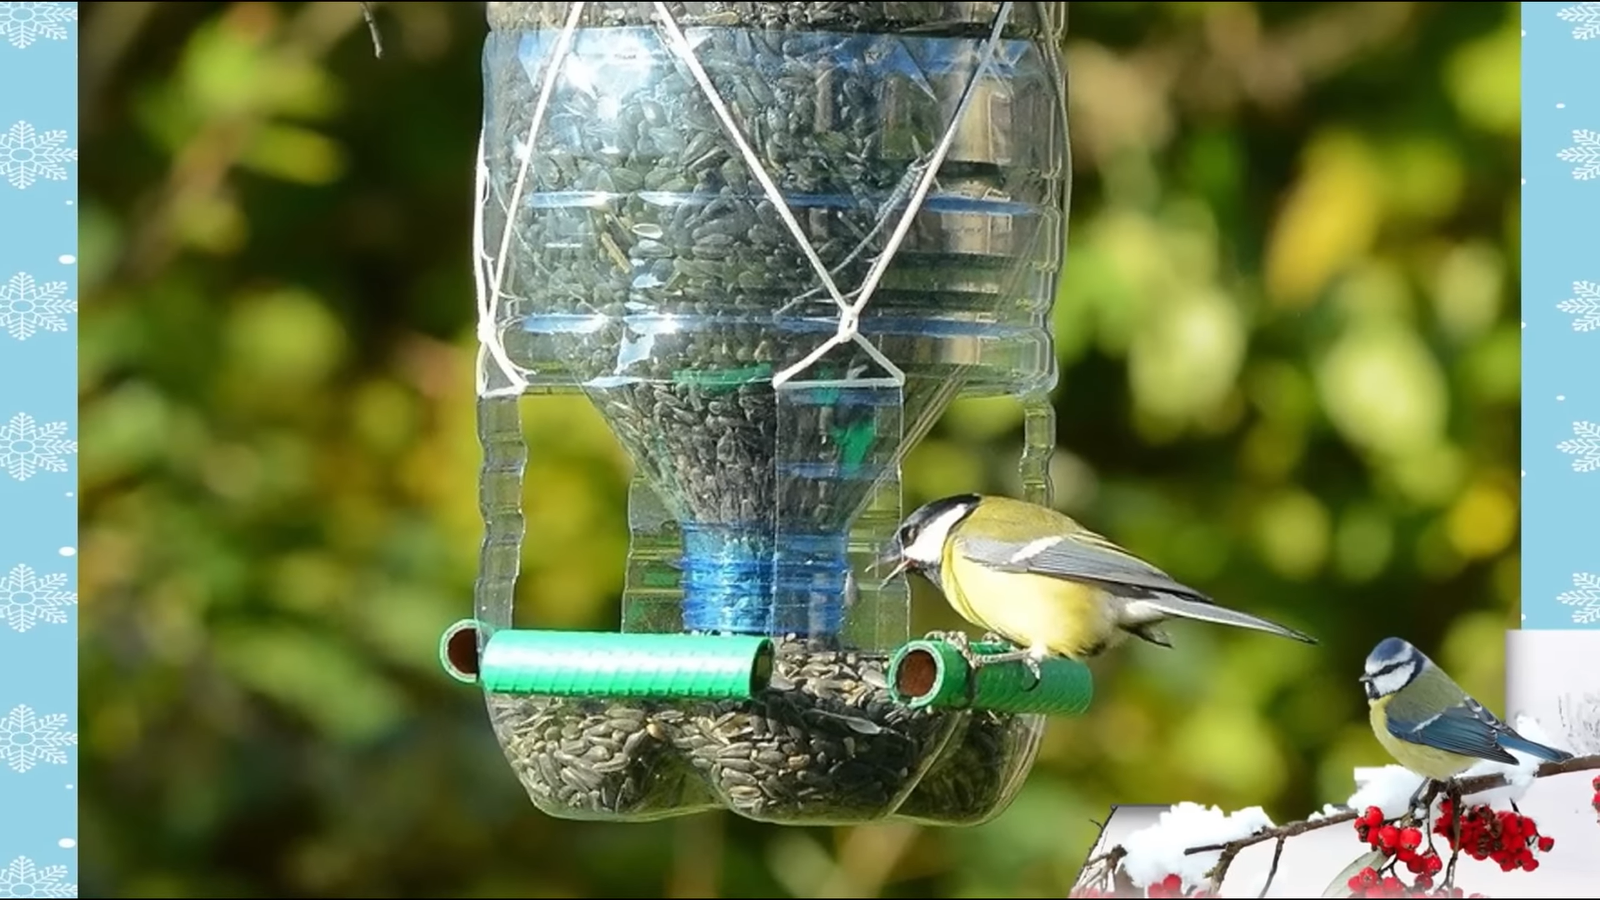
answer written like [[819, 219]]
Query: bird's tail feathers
[[1179, 607], [1522, 745]]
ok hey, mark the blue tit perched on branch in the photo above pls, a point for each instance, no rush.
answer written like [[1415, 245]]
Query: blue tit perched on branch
[[1429, 724], [1044, 583]]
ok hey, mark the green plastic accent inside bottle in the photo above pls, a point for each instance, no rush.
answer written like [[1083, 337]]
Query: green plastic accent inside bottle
[[605, 664], [933, 673]]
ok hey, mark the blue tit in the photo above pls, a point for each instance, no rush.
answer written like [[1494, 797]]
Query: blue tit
[[1046, 584], [1428, 723]]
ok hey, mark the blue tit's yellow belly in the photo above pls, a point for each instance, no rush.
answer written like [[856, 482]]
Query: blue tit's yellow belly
[[1429, 762], [1033, 611]]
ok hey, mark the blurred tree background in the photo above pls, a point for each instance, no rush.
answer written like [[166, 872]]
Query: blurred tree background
[[1290, 372]]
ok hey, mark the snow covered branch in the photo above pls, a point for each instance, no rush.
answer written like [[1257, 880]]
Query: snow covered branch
[[1189, 851]]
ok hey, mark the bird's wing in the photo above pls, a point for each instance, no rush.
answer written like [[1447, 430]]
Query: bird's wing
[[1466, 728], [1084, 557]]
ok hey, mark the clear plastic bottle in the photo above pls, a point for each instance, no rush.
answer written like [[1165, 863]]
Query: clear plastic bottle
[[726, 230]]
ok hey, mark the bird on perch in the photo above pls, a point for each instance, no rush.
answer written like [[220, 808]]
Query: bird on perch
[[1043, 583], [1429, 724]]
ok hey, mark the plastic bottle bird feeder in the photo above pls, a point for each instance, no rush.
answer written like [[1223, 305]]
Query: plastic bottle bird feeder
[[770, 242]]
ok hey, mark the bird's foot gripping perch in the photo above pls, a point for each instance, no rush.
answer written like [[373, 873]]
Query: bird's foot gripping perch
[[1026, 657], [1422, 797], [960, 641]]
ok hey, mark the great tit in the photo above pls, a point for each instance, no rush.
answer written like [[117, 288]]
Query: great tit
[[1428, 723], [1044, 583]]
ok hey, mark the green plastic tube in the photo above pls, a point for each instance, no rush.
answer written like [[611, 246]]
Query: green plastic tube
[[933, 673], [604, 664]]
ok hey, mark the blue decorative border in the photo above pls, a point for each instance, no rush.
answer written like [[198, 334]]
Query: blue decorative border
[[38, 449], [1561, 315]]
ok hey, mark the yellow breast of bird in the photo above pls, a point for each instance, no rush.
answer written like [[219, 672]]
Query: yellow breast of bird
[[1429, 762], [1067, 618]]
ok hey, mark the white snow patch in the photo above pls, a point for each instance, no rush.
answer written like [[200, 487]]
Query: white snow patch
[[1158, 851], [1328, 809], [1389, 788], [1519, 777]]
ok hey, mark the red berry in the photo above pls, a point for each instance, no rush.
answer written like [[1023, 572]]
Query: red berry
[[1374, 815], [1410, 838], [1546, 843], [1529, 864], [1388, 837]]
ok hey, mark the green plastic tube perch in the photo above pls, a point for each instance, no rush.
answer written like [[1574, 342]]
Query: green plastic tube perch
[[605, 664], [933, 673]]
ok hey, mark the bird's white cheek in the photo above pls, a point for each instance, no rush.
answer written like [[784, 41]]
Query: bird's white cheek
[[1390, 683], [928, 548]]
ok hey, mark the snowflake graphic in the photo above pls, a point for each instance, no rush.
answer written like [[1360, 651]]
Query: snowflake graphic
[[27, 449], [1584, 154], [27, 155], [24, 879], [1584, 446], [1585, 19], [27, 740], [27, 307], [24, 23], [1584, 598], [27, 599], [1584, 306]]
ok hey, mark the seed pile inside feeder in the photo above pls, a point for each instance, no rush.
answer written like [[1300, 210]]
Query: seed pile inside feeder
[[595, 758], [824, 744], [979, 772]]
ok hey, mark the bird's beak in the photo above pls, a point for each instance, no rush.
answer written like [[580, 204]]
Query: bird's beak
[[1365, 678], [891, 561]]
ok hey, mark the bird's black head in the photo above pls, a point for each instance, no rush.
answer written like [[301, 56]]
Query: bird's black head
[[918, 543]]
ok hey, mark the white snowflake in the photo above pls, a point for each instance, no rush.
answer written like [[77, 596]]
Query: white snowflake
[[24, 879], [1584, 598], [1584, 306], [27, 449], [27, 306], [1584, 154], [1584, 446], [24, 23], [27, 740], [1585, 19], [26, 599], [27, 155]]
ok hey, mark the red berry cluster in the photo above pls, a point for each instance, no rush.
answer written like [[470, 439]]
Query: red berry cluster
[[1402, 844], [1596, 801], [1506, 837], [1368, 883], [1172, 886]]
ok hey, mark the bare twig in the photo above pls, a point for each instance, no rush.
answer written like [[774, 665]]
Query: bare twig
[[372, 29], [1455, 837], [1463, 788], [1277, 854], [1107, 862]]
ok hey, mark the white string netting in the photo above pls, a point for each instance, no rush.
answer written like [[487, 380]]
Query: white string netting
[[489, 270]]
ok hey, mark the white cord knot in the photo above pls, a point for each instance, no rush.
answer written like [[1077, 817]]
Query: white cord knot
[[849, 325]]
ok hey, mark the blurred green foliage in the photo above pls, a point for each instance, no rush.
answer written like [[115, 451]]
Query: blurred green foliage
[[1290, 364]]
